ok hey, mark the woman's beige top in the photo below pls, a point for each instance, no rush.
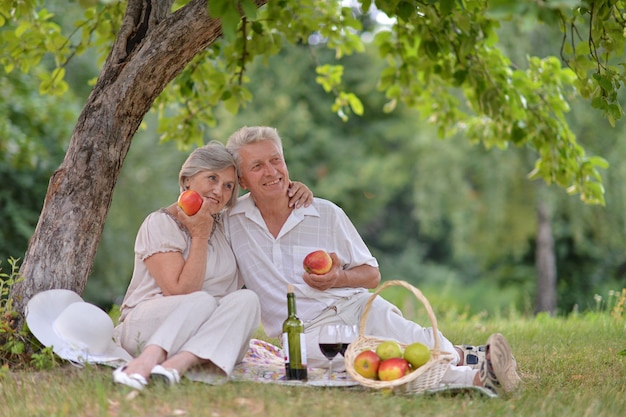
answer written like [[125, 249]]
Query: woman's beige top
[[161, 232]]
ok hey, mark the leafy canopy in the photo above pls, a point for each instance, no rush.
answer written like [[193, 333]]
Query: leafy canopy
[[442, 59]]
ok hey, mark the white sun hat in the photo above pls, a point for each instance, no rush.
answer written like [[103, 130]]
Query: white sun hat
[[77, 331]]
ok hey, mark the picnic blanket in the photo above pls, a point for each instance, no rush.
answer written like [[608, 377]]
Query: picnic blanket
[[263, 363]]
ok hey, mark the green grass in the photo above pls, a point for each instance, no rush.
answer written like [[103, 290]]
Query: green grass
[[570, 366]]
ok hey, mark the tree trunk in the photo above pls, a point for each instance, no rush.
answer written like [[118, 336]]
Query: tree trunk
[[152, 47], [545, 262]]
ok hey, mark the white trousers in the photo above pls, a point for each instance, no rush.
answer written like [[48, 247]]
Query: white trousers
[[384, 321], [211, 329]]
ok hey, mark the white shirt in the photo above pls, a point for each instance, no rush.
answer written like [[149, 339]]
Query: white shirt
[[268, 264]]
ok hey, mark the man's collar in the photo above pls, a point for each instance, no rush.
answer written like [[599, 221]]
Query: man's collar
[[245, 204]]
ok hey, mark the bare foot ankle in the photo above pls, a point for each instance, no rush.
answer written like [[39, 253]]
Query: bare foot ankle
[[461, 355]]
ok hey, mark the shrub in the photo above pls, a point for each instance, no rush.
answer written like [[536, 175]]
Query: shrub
[[18, 348]]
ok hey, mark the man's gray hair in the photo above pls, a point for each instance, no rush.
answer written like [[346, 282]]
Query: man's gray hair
[[252, 134]]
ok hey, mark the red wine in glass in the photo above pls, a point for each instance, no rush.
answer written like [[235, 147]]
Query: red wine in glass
[[330, 350], [347, 334], [329, 344]]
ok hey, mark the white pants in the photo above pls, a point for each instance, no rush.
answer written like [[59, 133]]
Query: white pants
[[211, 329], [384, 321]]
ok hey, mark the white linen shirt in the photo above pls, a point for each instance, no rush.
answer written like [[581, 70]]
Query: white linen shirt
[[269, 264]]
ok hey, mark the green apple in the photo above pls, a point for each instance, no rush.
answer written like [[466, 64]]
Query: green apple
[[417, 354], [388, 349]]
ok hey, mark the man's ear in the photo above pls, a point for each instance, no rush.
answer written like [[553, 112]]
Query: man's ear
[[242, 183]]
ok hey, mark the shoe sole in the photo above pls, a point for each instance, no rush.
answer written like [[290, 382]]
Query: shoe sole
[[502, 362], [160, 378]]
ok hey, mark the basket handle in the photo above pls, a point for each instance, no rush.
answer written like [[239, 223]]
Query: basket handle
[[418, 294]]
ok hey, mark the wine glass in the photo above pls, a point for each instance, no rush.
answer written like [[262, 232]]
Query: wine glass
[[329, 343], [347, 334]]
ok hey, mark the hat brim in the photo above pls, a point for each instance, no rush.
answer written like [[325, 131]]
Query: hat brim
[[43, 309], [41, 312], [114, 355]]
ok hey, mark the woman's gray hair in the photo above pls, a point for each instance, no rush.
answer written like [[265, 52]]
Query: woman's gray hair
[[247, 135], [211, 157]]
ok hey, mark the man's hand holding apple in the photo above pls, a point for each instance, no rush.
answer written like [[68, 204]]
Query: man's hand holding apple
[[336, 277]]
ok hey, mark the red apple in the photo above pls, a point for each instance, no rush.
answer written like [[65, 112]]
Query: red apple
[[190, 201], [393, 368], [366, 364], [317, 262]]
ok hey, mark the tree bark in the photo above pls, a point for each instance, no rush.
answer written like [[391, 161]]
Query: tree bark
[[545, 262], [152, 47]]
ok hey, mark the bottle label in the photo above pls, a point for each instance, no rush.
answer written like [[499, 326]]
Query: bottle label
[[303, 349], [286, 347]]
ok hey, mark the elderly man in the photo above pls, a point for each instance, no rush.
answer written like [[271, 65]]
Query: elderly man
[[270, 240]]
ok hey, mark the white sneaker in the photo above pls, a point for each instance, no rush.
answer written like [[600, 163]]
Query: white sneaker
[[473, 356], [499, 370]]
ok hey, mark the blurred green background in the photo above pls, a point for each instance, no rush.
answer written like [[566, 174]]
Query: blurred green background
[[452, 218]]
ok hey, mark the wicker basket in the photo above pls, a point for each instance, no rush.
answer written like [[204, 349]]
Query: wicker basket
[[423, 378]]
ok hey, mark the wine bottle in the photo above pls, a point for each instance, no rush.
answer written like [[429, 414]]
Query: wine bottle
[[294, 344]]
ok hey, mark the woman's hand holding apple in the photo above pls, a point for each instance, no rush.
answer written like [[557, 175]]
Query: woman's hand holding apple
[[199, 225]]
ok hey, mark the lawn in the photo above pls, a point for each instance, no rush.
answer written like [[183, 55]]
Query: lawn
[[574, 366]]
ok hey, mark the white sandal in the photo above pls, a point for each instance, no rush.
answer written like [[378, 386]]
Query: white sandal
[[135, 381], [169, 376]]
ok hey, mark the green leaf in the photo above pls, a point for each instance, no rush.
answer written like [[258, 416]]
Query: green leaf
[[593, 193], [390, 106], [230, 21], [518, 133], [217, 8], [598, 162], [250, 9], [446, 6], [232, 105], [405, 10], [22, 28], [355, 104], [257, 28], [365, 5], [459, 76]]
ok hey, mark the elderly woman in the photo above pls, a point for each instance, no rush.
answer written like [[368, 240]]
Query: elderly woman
[[185, 305]]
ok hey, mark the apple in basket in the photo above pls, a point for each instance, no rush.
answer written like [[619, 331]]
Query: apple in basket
[[317, 262], [393, 368], [388, 349], [190, 201], [417, 354], [366, 364]]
